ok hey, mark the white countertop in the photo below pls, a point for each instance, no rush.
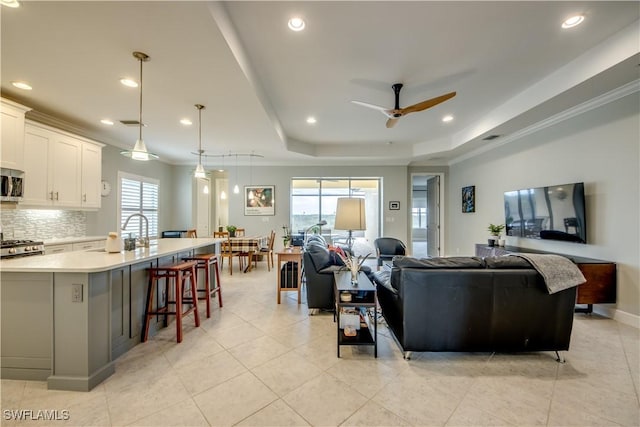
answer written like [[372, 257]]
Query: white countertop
[[98, 260], [66, 240]]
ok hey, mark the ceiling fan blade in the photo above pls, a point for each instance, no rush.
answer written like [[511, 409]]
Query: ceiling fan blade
[[392, 122], [375, 107], [427, 104]]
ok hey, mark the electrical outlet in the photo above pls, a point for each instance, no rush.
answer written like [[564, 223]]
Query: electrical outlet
[[76, 292]]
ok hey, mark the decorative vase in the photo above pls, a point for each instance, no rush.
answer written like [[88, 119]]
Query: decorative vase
[[232, 234], [354, 277], [491, 242]]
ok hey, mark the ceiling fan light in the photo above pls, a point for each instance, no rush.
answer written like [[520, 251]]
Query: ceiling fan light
[[573, 21], [186, 122], [447, 118], [199, 173]]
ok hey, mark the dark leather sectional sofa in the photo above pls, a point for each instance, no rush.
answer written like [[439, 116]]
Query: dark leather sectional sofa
[[498, 304]]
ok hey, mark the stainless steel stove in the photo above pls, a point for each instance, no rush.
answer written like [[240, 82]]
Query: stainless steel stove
[[20, 248]]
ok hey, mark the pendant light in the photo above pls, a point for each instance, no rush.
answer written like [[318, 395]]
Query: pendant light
[[236, 189], [223, 194], [199, 173], [251, 195], [139, 151]]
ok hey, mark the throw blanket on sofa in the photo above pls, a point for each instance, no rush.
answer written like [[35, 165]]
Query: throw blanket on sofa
[[559, 273]]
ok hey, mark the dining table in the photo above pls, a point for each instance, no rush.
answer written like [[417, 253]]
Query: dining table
[[250, 245]]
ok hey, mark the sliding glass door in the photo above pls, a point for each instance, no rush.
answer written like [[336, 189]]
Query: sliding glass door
[[315, 199]]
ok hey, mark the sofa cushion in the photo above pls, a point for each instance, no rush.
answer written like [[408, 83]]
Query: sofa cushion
[[383, 278], [319, 255], [499, 262], [445, 262]]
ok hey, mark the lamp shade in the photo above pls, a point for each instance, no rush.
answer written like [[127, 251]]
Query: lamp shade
[[350, 214]]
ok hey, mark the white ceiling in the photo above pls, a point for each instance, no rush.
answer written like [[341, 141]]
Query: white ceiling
[[509, 62]]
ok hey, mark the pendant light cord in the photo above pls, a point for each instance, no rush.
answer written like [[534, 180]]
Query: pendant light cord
[[199, 107], [140, 117]]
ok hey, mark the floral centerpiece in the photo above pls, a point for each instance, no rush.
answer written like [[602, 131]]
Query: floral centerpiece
[[286, 235], [352, 263], [232, 230]]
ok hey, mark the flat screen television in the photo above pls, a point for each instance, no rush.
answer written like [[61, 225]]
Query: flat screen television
[[555, 213]]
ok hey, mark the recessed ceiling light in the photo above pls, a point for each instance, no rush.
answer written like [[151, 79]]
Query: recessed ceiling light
[[10, 3], [107, 122], [129, 82], [573, 21], [311, 120], [186, 122], [22, 85], [447, 118], [296, 24]]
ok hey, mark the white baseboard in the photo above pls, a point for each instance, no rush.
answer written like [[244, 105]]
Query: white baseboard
[[618, 315]]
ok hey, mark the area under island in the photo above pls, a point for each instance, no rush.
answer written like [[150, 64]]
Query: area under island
[[66, 317]]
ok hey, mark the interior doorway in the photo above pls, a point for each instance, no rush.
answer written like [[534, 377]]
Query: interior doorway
[[425, 215]]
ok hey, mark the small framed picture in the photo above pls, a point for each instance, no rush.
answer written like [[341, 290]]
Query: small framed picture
[[394, 206], [469, 199]]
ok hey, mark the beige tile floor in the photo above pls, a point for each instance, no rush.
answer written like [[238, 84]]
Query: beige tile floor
[[256, 363]]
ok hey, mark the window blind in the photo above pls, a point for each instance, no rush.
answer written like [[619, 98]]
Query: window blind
[[139, 195]]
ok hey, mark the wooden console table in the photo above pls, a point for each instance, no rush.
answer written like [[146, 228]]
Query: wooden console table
[[291, 254], [600, 287]]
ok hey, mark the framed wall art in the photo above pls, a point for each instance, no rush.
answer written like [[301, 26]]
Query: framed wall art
[[469, 199], [259, 200]]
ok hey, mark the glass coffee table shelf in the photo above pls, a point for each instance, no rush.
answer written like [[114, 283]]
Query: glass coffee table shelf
[[357, 316]]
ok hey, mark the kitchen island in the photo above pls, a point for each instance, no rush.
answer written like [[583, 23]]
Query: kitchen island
[[66, 317]]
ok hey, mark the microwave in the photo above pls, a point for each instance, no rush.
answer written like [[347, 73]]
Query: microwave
[[12, 185]]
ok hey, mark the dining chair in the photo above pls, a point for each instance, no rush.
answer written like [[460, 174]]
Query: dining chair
[[240, 232], [221, 234], [191, 233], [226, 251], [267, 252]]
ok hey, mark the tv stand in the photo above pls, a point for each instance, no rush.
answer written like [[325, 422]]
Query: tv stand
[[600, 287]]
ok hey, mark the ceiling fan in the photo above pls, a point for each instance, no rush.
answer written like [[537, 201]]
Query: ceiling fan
[[395, 113]]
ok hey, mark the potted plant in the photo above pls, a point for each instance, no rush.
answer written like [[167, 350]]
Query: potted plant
[[232, 230], [495, 231], [286, 235]]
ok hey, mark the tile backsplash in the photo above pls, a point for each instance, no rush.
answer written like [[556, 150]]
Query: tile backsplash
[[38, 224]]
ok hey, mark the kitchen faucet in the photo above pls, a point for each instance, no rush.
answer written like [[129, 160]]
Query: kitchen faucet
[[143, 240]]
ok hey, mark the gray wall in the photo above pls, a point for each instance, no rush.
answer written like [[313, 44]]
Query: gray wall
[[599, 148], [393, 188]]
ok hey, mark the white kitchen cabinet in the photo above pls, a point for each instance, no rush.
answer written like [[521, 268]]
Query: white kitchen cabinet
[[91, 175], [87, 246], [12, 136], [57, 249], [61, 169]]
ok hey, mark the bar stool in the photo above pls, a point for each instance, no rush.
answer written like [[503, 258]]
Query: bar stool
[[204, 262], [178, 273]]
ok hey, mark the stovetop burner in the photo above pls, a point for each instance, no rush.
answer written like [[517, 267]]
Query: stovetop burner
[[15, 243], [20, 248]]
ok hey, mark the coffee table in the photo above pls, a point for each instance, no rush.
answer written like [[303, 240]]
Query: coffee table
[[363, 303]]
